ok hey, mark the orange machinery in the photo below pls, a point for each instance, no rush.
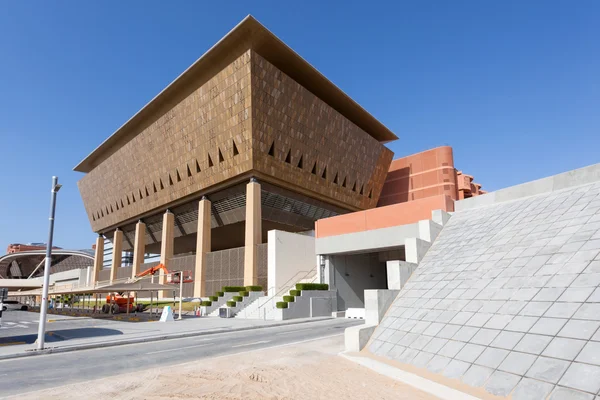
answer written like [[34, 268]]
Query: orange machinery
[[119, 302]]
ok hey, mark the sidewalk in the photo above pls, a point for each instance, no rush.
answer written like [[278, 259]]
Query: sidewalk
[[75, 334]]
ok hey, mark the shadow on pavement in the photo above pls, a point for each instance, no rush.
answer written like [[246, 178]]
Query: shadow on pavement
[[60, 335]]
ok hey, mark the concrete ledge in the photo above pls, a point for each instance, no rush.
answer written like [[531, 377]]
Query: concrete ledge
[[338, 314], [569, 179], [356, 337], [434, 388]]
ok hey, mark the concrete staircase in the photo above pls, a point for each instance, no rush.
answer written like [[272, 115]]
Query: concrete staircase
[[264, 307], [240, 305]]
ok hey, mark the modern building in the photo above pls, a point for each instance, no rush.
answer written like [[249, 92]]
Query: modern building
[[250, 138]]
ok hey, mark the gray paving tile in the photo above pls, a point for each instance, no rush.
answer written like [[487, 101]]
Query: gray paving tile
[[507, 340], [582, 377], [470, 352], [498, 321], [521, 323], [549, 294], [491, 357], [562, 310], [576, 294], [485, 336], [561, 393], [420, 342], [451, 348], [465, 333], [448, 331], [578, 329], [422, 359], [455, 369], [531, 389], [435, 345], [548, 369], [588, 311], [563, 348], [587, 280], [501, 383], [548, 326], [517, 363], [477, 375], [535, 308], [590, 354], [438, 363]]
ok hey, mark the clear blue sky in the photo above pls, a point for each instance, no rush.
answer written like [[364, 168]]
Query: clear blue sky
[[513, 86]]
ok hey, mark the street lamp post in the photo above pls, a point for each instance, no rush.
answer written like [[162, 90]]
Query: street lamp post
[[44, 306]]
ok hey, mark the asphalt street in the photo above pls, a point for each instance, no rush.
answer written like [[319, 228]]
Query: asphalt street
[[40, 372]]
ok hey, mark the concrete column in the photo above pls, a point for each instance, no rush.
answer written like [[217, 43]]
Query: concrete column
[[117, 254], [98, 258], [253, 232], [166, 247], [203, 244], [139, 248]]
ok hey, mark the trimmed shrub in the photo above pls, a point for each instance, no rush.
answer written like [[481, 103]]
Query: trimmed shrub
[[206, 303], [312, 286], [231, 303], [281, 304], [220, 294], [289, 299], [213, 298], [294, 292], [244, 293], [237, 298], [254, 288], [229, 289]]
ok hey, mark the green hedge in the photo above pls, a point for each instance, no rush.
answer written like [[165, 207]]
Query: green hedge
[[220, 294], [312, 286], [289, 299], [231, 303], [213, 298], [229, 289], [237, 298], [281, 304], [294, 292], [254, 288], [206, 303], [244, 293]]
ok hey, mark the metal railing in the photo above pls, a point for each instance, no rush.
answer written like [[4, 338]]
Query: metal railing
[[285, 287]]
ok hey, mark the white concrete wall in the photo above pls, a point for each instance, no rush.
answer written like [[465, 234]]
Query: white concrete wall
[[291, 257], [570, 179]]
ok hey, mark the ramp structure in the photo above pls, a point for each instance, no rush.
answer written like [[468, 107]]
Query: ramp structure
[[507, 298]]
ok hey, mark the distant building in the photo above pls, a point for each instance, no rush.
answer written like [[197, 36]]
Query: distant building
[[18, 247]]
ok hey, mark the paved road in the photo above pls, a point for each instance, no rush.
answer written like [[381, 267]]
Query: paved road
[[40, 372]]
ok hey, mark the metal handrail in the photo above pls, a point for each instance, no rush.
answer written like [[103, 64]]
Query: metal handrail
[[286, 287]]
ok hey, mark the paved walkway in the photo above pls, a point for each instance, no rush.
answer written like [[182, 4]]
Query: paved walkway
[[70, 333]]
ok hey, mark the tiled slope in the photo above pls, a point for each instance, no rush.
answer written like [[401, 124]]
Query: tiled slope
[[508, 299]]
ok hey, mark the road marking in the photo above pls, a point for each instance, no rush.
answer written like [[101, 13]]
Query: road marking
[[250, 344], [299, 330], [178, 348]]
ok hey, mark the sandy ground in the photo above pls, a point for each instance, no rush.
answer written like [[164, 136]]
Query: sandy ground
[[310, 370]]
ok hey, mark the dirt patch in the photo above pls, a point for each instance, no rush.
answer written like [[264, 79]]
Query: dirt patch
[[310, 370]]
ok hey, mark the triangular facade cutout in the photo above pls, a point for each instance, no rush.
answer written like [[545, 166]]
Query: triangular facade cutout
[[122, 205], [300, 163], [272, 149], [147, 193], [324, 174], [141, 195], [162, 187], [154, 187], [314, 169], [235, 149], [197, 167], [170, 180], [220, 156], [361, 189], [128, 202], [335, 180], [102, 213], [133, 197], [371, 193], [111, 209], [354, 187], [189, 171], [288, 158], [178, 176], [210, 163], [117, 205], [344, 183]]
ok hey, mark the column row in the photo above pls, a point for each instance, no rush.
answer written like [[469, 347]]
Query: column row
[[253, 237]]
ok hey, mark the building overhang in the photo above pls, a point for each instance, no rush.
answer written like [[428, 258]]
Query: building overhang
[[248, 34]]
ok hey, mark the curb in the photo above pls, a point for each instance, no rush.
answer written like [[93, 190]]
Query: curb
[[31, 353]]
